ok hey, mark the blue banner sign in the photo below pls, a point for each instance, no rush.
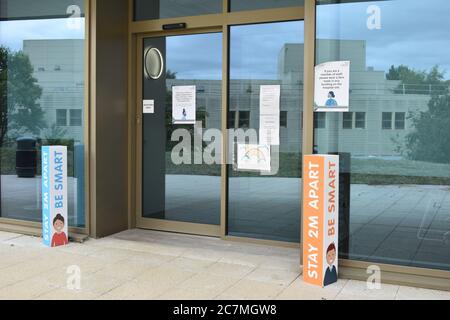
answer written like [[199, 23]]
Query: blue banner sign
[[54, 196]]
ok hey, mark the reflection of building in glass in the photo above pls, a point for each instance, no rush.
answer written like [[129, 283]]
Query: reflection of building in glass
[[378, 117], [377, 122], [59, 68]]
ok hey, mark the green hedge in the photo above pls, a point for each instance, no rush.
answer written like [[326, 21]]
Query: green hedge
[[363, 171]]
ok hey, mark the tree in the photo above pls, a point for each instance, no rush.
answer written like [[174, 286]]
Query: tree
[[19, 93], [171, 75], [416, 82], [429, 140]]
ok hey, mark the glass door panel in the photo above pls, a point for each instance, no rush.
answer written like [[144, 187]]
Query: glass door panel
[[177, 183], [266, 206]]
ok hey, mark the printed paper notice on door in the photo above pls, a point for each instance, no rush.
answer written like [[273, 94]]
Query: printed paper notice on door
[[332, 87], [269, 118], [184, 104], [148, 106], [253, 157]]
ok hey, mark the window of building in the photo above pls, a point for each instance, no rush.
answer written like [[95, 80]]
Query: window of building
[[231, 119], [360, 120], [40, 37], [283, 119], [347, 120], [75, 118], [61, 117], [409, 225], [320, 120], [386, 121], [244, 119], [400, 119]]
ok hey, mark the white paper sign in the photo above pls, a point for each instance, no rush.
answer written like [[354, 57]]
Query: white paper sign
[[253, 157], [54, 196], [148, 106], [184, 104], [332, 87], [269, 118]]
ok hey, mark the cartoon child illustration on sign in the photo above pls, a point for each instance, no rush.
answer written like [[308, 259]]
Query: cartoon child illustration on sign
[[60, 237], [184, 115], [331, 273], [331, 102]]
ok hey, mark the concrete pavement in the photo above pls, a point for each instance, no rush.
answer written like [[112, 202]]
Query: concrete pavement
[[141, 264]]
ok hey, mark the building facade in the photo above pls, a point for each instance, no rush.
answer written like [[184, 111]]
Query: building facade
[[78, 72]]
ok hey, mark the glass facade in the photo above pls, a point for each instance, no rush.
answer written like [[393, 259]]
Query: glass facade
[[267, 206], [42, 101], [395, 137], [393, 141]]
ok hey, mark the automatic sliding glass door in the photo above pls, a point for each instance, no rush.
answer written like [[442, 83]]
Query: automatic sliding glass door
[[182, 99], [266, 205]]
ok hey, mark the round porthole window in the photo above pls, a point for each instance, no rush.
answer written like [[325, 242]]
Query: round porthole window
[[153, 63]]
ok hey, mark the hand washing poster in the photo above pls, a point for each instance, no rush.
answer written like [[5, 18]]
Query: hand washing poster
[[54, 196], [184, 104], [332, 87], [320, 219]]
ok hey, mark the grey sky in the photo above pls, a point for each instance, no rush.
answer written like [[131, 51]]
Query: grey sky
[[254, 51], [12, 33], [413, 33]]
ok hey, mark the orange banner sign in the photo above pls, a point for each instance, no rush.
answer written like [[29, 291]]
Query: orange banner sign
[[320, 219]]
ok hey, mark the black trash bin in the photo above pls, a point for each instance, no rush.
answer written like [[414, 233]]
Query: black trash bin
[[26, 157]]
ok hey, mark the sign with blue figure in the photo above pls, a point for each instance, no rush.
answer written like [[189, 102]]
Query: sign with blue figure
[[332, 87], [54, 196]]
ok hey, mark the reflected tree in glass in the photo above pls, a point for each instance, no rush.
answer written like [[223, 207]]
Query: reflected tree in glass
[[20, 112]]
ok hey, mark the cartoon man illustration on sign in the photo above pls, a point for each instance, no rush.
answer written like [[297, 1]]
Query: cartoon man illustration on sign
[[60, 237], [331, 102], [184, 115], [331, 273]]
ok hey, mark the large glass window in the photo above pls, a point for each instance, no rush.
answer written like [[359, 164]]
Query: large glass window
[[267, 206], [42, 77], [240, 5], [399, 168], [160, 9]]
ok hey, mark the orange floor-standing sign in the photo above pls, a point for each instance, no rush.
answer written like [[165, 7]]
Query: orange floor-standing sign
[[320, 219]]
